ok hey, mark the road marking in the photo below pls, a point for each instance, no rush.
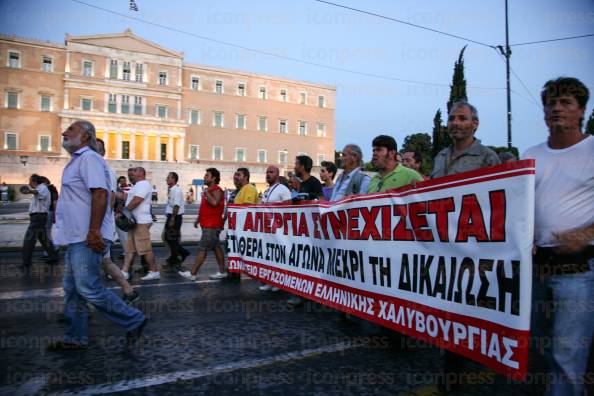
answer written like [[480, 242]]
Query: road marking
[[59, 291], [166, 378]]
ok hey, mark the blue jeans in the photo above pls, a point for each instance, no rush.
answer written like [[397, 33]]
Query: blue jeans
[[568, 327], [82, 284]]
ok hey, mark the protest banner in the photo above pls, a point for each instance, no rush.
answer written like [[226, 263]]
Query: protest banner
[[447, 261]]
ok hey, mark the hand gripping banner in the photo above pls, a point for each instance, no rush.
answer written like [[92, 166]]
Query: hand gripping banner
[[447, 261]]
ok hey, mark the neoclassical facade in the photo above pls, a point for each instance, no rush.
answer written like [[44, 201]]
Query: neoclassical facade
[[152, 109]]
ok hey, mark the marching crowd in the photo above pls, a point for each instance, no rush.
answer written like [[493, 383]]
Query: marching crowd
[[90, 194]]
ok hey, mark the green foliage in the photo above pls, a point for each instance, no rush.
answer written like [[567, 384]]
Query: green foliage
[[421, 143], [503, 149], [441, 138], [458, 86], [368, 166], [338, 159], [590, 124]]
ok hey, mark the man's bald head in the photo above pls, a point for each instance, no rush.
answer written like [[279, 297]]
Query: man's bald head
[[272, 174]]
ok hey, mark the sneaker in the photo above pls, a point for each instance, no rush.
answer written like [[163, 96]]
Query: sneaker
[[152, 275], [274, 289], [295, 301], [135, 334], [187, 275], [265, 287], [125, 274], [131, 297], [218, 275]]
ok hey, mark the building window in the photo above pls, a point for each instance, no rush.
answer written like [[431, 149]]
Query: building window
[[282, 126], [87, 68], [302, 128], [282, 157], [86, 104], [321, 101], [302, 98], [10, 141], [262, 124], [218, 86], [321, 130], [262, 156], [12, 100], [195, 84], [139, 72], [161, 111], [217, 153], [240, 124], [126, 149], [45, 103], [262, 94], [47, 64], [283, 95], [44, 143], [162, 78], [113, 69], [194, 153], [321, 158], [112, 104], [194, 117], [14, 59], [240, 154], [138, 105], [125, 104], [218, 120], [241, 89], [163, 153], [126, 71]]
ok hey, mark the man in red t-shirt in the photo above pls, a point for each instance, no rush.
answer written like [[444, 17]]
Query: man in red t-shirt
[[210, 218]]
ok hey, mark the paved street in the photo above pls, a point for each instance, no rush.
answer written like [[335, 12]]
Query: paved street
[[209, 337]]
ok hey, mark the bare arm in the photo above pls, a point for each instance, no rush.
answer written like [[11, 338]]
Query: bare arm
[[215, 198], [98, 207], [134, 203], [575, 240]]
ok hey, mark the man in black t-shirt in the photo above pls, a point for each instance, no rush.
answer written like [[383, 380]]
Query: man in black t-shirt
[[311, 188]]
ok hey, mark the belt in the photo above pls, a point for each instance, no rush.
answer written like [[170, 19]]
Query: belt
[[548, 262]]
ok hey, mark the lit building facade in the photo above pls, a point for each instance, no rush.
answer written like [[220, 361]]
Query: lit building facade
[[153, 110]]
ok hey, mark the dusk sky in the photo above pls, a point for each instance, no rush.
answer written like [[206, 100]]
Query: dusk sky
[[324, 34]]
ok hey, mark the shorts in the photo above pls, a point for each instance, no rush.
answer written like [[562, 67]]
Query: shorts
[[139, 240], [210, 238]]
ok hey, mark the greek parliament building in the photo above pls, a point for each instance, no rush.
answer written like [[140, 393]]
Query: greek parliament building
[[153, 110]]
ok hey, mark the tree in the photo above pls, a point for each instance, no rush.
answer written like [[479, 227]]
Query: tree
[[440, 137], [421, 143], [590, 124], [458, 86]]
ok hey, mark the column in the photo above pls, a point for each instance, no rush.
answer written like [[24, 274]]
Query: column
[[158, 148], [145, 147], [106, 143], [132, 146], [118, 145], [67, 68], [170, 149], [66, 99], [181, 148], [179, 110]]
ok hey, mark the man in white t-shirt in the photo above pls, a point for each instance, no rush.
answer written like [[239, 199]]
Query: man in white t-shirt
[[138, 201], [174, 212], [276, 192], [564, 236]]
